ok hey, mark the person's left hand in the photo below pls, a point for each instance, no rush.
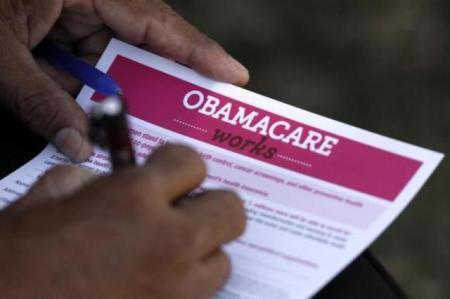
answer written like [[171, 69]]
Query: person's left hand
[[39, 94]]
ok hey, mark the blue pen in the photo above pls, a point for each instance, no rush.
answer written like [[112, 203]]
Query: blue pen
[[79, 69]]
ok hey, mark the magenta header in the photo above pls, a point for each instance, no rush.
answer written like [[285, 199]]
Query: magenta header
[[193, 111]]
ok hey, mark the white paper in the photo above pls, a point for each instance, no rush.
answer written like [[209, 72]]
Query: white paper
[[313, 206]]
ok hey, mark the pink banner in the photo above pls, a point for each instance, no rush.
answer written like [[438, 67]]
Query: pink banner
[[193, 111]]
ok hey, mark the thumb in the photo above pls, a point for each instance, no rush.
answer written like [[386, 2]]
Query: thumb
[[54, 185], [40, 102]]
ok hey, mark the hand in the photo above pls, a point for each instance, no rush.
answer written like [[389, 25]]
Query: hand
[[39, 94], [130, 235]]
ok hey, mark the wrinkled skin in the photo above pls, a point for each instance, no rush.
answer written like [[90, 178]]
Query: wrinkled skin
[[129, 235], [40, 95]]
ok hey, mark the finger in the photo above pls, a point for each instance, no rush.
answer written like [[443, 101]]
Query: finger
[[64, 79], [94, 44], [70, 84], [213, 274], [171, 171], [158, 27], [219, 217], [43, 105], [89, 48], [59, 182]]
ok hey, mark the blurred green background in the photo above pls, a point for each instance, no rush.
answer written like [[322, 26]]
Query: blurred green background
[[380, 65]]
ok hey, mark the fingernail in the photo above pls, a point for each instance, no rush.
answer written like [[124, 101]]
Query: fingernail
[[239, 68], [70, 142]]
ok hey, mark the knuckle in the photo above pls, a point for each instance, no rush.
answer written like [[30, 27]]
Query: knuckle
[[197, 241], [233, 208], [60, 170], [35, 110], [140, 183], [64, 171], [220, 270], [210, 45], [135, 193], [46, 180], [189, 231], [183, 238], [188, 235], [193, 159], [148, 183], [201, 47], [178, 155], [137, 196], [179, 151], [229, 196], [191, 235], [82, 174], [231, 202], [192, 55], [224, 264], [146, 187]]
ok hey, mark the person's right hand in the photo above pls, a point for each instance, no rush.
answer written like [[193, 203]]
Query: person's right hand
[[133, 234]]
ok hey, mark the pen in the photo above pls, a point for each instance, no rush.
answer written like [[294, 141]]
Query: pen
[[86, 73], [109, 126], [109, 129]]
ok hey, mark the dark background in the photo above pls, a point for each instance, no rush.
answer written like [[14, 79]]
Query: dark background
[[380, 65]]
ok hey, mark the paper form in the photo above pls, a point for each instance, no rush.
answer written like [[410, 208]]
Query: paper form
[[317, 192]]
